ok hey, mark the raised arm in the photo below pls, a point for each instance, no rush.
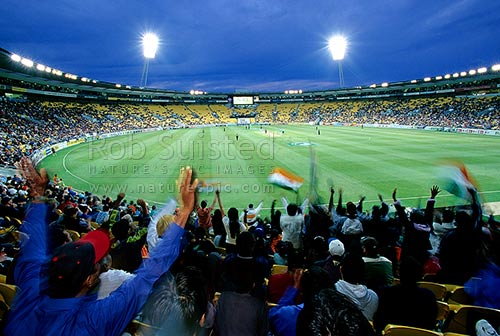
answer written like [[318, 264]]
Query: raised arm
[[429, 209], [34, 250], [339, 204], [213, 203], [330, 202], [221, 207], [359, 208]]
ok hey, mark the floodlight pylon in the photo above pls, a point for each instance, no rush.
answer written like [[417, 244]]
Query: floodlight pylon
[[150, 46], [338, 45]]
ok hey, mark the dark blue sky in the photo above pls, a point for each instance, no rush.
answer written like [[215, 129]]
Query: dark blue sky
[[254, 45]]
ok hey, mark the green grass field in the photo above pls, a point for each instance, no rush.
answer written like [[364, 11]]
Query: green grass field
[[363, 161]]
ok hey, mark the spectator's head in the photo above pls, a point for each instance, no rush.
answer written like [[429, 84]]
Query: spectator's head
[[331, 313], [106, 263], [351, 209], [369, 246], [418, 216], [410, 271], [292, 209], [283, 248], [234, 224], [203, 204], [352, 268], [163, 223], [57, 236], [121, 229], [6, 201], [217, 216], [250, 206], [384, 210], [70, 211], [318, 249], [336, 248], [448, 215], [313, 281], [245, 244], [177, 303], [463, 220], [232, 214], [74, 267]]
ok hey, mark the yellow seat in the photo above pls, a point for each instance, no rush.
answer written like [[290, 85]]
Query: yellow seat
[[463, 319], [438, 289], [442, 314], [8, 292], [457, 295], [221, 250], [400, 330], [95, 225], [74, 235], [4, 307], [138, 328], [279, 269]]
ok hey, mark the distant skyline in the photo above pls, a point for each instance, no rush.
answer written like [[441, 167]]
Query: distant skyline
[[254, 45]]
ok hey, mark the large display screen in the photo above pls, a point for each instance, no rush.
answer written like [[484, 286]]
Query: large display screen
[[242, 100]]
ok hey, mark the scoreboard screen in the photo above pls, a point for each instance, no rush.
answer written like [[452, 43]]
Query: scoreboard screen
[[243, 100]]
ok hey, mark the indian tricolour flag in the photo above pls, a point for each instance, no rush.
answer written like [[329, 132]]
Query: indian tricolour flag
[[457, 180], [285, 179]]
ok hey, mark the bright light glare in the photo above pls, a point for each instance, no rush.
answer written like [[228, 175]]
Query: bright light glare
[[15, 58], [337, 46], [27, 62], [40, 67], [482, 70], [150, 45], [495, 67]]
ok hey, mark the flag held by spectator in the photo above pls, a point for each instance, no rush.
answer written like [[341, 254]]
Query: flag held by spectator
[[457, 180], [285, 179]]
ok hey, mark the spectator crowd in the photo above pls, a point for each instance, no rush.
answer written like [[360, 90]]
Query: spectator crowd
[[99, 264]]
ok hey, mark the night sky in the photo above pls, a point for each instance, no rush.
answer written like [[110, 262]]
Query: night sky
[[254, 46]]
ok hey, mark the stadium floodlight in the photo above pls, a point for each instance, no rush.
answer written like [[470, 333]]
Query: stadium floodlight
[[27, 62], [482, 70], [495, 67], [15, 58], [338, 46], [40, 67], [149, 47]]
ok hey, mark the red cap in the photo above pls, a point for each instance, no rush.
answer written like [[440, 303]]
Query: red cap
[[100, 241]]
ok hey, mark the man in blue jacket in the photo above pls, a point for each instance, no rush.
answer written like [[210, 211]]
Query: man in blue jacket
[[59, 299]]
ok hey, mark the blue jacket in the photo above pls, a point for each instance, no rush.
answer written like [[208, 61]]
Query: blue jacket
[[36, 314], [283, 317]]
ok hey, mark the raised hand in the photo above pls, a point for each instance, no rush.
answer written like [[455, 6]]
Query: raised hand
[[36, 181], [187, 193], [434, 191], [394, 198]]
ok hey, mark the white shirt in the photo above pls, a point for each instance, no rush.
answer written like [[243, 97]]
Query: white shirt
[[230, 240]]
